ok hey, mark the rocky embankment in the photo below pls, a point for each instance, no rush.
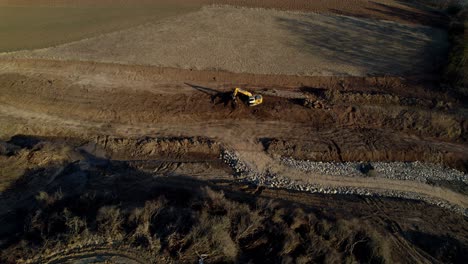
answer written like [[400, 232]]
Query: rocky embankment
[[414, 171]]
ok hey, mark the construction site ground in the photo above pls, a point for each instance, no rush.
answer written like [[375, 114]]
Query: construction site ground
[[127, 99]]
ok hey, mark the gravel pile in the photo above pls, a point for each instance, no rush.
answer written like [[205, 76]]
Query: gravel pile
[[395, 170], [414, 171]]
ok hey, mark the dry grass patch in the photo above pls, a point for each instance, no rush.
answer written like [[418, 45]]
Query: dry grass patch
[[113, 207], [209, 225], [16, 162]]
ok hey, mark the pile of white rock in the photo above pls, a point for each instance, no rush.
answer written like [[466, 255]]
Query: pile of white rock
[[414, 171], [402, 171]]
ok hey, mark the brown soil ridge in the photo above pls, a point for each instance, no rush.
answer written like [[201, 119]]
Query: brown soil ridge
[[409, 85], [404, 125]]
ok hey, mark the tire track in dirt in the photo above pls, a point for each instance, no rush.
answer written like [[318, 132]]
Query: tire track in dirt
[[92, 254], [396, 235]]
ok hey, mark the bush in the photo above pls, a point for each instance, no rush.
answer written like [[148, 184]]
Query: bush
[[211, 236], [456, 72], [75, 225], [453, 7], [221, 228], [110, 222], [48, 200], [143, 218]]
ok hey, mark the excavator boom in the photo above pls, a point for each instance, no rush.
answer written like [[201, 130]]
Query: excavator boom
[[244, 92]]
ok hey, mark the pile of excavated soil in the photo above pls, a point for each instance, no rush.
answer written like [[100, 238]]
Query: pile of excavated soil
[[265, 41]]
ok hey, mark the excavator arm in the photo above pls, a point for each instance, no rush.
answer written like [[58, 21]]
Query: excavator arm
[[244, 92]]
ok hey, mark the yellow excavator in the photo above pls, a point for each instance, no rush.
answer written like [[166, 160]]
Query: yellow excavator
[[253, 99]]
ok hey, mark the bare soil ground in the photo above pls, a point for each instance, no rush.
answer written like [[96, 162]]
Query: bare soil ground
[[266, 42], [408, 11], [32, 27], [112, 162], [359, 122], [27, 24]]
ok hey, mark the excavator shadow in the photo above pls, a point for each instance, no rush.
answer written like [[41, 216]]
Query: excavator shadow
[[217, 97]]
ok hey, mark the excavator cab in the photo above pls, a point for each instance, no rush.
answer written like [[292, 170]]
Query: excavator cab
[[253, 99]]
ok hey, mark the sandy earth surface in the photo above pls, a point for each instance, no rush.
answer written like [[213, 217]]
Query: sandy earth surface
[[408, 11], [265, 42], [156, 99], [33, 27]]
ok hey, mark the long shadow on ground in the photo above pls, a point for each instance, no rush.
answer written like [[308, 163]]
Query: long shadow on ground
[[179, 217]]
